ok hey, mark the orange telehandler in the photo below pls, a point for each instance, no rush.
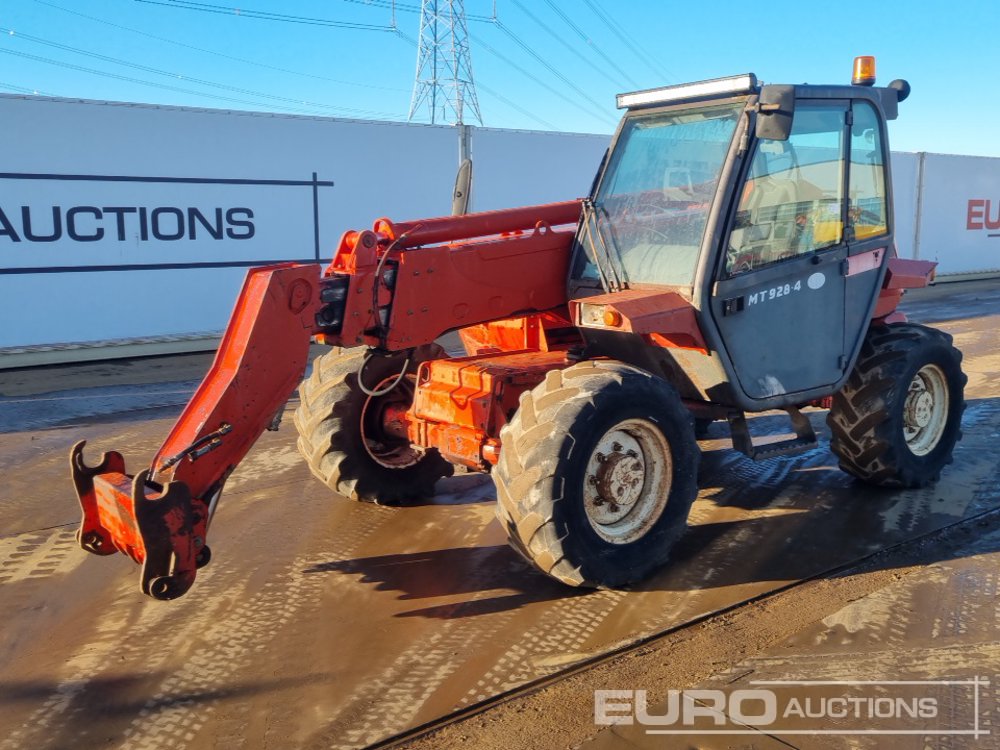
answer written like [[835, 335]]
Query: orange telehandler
[[735, 255]]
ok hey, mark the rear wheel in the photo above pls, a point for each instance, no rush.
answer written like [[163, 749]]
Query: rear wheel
[[340, 428], [896, 421], [597, 474]]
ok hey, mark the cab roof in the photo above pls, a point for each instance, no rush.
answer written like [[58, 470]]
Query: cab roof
[[745, 84]]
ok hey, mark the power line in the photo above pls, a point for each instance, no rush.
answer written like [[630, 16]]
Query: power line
[[533, 77], [406, 8], [265, 15], [590, 43], [199, 81], [24, 90], [550, 68], [247, 61], [129, 79], [583, 58], [206, 7], [600, 113], [512, 105], [618, 31]]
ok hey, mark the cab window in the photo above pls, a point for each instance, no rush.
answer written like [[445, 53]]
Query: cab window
[[655, 197], [792, 202], [866, 212]]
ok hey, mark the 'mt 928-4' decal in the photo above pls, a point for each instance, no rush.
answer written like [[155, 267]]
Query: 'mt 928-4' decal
[[815, 281], [775, 292]]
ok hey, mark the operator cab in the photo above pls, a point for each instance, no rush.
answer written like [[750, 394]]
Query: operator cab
[[766, 209]]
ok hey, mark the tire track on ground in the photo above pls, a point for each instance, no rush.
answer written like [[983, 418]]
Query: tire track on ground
[[166, 719], [389, 701]]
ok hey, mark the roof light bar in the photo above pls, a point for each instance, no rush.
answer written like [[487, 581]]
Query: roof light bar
[[742, 84]]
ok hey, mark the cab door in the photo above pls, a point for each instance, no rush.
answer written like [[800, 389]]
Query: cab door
[[868, 219], [779, 300]]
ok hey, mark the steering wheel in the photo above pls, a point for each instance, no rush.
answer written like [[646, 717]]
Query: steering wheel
[[657, 233], [738, 261], [648, 210]]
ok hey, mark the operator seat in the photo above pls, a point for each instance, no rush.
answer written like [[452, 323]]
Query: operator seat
[[769, 213]]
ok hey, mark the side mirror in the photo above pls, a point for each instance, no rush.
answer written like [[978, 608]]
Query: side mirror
[[463, 189], [775, 111]]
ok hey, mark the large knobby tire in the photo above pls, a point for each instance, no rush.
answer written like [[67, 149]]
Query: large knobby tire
[[592, 431], [338, 427], [897, 419]]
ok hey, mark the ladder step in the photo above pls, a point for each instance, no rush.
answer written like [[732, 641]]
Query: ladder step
[[805, 437], [783, 448]]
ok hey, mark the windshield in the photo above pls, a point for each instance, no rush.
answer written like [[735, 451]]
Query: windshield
[[654, 199]]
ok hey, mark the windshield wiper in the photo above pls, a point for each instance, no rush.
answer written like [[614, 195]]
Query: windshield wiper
[[610, 279], [610, 245]]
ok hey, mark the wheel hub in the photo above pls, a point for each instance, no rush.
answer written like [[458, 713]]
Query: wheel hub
[[925, 410], [620, 477], [627, 481], [918, 408]]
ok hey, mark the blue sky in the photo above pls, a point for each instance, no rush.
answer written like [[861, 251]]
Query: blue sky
[[349, 63]]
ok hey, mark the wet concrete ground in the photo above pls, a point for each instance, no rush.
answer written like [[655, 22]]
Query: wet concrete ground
[[911, 665], [323, 623]]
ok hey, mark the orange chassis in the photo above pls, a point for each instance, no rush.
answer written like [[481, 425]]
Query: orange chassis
[[498, 277]]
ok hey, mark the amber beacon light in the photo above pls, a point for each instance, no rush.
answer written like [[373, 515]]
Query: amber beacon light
[[864, 71]]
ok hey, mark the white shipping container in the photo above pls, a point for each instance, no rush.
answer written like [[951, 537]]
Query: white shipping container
[[959, 213]]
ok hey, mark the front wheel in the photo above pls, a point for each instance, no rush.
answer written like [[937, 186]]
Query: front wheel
[[340, 427], [897, 419], [597, 474]]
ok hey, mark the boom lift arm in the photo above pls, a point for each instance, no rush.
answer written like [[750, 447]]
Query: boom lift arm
[[396, 287]]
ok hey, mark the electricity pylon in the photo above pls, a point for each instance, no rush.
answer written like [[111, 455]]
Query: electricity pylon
[[444, 65]]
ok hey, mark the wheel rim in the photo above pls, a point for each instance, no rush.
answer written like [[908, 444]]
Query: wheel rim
[[385, 450], [925, 410], [627, 481]]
